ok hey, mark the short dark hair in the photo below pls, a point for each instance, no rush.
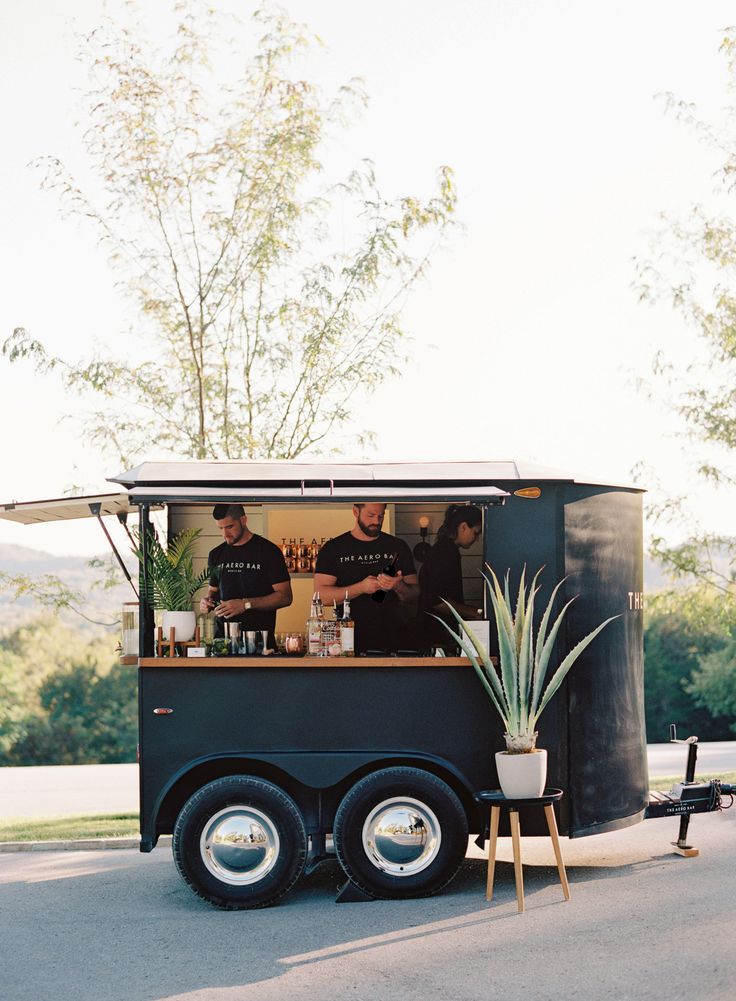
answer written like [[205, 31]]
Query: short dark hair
[[220, 511]]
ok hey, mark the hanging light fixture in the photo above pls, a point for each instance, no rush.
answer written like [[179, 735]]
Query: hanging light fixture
[[422, 547]]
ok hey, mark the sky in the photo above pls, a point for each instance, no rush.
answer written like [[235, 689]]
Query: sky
[[528, 336]]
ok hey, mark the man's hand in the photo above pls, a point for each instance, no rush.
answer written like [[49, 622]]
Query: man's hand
[[370, 585], [230, 608], [387, 583], [207, 603]]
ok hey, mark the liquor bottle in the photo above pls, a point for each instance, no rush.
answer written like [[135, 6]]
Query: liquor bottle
[[347, 630], [390, 571], [314, 629], [331, 635]]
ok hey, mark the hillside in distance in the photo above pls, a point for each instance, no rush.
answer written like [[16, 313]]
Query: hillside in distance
[[101, 604]]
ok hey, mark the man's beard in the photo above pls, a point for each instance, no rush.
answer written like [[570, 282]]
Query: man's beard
[[373, 530]]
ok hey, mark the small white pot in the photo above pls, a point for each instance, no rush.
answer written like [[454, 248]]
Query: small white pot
[[184, 624], [522, 776]]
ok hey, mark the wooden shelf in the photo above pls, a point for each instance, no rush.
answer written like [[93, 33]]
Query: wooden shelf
[[310, 662]]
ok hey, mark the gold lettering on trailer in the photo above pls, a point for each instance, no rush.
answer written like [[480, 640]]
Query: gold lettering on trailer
[[636, 601]]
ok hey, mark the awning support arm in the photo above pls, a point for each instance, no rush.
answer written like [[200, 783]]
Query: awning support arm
[[95, 510], [122, 517]]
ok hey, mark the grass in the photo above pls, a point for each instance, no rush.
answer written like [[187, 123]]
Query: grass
[[116, 825], [665, 783]]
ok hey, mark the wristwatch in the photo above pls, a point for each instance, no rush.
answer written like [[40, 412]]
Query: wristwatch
[[246, 605]]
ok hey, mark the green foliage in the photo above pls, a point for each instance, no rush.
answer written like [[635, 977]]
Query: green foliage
[[713, 683], [85, 718], [684, 629], [257, 332], [518, 691], [171, 578], [63, 700]]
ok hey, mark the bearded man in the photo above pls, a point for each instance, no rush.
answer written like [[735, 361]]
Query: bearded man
[[376, 571]]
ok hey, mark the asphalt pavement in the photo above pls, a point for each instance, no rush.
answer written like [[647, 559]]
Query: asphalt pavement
[[642, 924]]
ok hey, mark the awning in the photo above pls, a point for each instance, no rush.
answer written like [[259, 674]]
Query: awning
[[66, 508], [202, 494]]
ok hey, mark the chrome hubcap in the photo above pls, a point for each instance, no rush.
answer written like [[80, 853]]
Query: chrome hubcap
[[239, 845], [401, 836]]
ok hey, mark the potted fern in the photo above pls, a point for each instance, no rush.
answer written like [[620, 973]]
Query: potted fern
[[171, 581], [517, 689]]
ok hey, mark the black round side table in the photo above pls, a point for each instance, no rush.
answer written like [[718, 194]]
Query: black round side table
[[497, 800]]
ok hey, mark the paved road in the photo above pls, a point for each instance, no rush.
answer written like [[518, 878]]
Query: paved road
[[642, 924], [66, 790], [714, 757]]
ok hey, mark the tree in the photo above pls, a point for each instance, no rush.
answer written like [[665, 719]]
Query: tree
[[256, 334], [694, 268], [683, 631], [85, 718], [713, 684], [61, 698]]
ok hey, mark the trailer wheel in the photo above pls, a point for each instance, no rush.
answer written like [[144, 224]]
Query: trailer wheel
[[401, 833], [240, 842]]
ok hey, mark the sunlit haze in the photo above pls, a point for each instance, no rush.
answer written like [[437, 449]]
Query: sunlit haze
[[528, 334]]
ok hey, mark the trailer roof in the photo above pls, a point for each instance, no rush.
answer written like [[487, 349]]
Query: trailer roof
[[240, 481], [285, 474]]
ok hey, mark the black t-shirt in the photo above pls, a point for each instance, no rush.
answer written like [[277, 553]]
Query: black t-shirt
[[248, 571], [350, 560], [440, 577]]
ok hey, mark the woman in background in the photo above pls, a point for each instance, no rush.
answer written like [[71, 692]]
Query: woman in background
[[441, 576]]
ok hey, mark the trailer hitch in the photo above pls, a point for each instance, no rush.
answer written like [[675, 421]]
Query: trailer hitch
[[688, 797]]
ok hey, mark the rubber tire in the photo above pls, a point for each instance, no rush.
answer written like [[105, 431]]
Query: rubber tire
[[247, 790], [367, 794]]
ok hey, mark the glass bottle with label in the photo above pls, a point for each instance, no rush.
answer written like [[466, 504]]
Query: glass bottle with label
[[314, 628], [347, 630], [390, 571]]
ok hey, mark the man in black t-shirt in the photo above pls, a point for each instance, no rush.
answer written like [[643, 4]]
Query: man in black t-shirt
[[356, 562], [248, 575]]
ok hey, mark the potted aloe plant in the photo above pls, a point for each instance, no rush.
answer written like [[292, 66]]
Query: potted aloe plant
[[171, 581], [517, 689]]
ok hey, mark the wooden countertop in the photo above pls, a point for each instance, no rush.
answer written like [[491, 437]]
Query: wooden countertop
[[295, 661]]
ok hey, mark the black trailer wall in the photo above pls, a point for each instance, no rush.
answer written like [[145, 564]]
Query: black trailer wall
[[606, 732], [594, 728]]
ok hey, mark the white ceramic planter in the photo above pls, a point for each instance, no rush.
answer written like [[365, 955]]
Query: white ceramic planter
[[522, 776], [184, 624]]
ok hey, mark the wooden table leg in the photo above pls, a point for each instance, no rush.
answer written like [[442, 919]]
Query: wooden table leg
[[518, 873], [495, 813], [552, 825]]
